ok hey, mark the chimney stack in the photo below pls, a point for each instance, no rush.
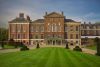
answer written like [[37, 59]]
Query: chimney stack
[[89, 22], [84, 22], [28, 18], [46, 13], [21, 15], [62, 13]]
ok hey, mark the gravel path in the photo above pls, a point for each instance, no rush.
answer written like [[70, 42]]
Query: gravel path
[[8, 50], [89, 51]]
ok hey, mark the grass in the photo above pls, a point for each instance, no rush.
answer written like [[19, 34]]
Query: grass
[[93, 47], [49, 57], [8, 46]]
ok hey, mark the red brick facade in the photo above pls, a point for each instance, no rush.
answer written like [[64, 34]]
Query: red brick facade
[[54, 29]]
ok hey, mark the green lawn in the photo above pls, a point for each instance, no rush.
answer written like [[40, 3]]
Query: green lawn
[[49, 57], [8, 46]]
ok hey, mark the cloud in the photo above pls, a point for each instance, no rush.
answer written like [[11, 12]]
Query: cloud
[[91, 17], [77, 10], [12, 13]]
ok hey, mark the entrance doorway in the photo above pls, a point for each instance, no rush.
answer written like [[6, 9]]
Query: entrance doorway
[[54, 42]]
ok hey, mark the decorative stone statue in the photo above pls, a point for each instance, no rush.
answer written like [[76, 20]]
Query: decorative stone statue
[[38, 46], [67, 45]]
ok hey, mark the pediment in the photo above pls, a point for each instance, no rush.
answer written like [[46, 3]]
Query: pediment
[[54, 14]]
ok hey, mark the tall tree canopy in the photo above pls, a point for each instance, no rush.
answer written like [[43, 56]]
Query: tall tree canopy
[[3, 34]]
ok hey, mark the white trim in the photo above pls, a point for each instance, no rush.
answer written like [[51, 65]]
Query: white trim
[[72, 23], [72, 39], [36, 39], [90, 36], [28, 39], [19, 23], [21, 39]]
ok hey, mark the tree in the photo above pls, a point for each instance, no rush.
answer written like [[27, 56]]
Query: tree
[[97, 41], [2, 43], [3, 36], [13, 43]]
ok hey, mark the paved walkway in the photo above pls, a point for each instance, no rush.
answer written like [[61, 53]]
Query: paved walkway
[[8, 50], [85, 50], [89, 51]]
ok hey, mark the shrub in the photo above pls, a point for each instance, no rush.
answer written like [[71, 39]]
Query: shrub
[[11, 42], [23, 47], [16, 45], [77, 48]]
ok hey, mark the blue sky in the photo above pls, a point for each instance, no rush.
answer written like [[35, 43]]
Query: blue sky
[[79, 10]]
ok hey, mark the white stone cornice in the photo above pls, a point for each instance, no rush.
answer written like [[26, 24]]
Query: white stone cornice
[[19, 23], [90, 36]]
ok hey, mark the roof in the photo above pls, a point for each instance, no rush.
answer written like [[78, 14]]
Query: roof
[[18, 20], [38, 21], [42, 20], [69, 20]]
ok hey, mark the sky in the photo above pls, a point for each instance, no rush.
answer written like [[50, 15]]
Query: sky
[[78, 10]]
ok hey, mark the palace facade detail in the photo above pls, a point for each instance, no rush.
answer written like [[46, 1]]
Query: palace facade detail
[[54, 29]]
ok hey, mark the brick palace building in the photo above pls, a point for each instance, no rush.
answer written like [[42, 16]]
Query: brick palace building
[[54, 29]]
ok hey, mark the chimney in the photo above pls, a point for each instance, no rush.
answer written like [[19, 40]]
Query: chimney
[[62, 13], [46, 13], [21, 15], [84, 22], [89, 22], [28, 18]]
